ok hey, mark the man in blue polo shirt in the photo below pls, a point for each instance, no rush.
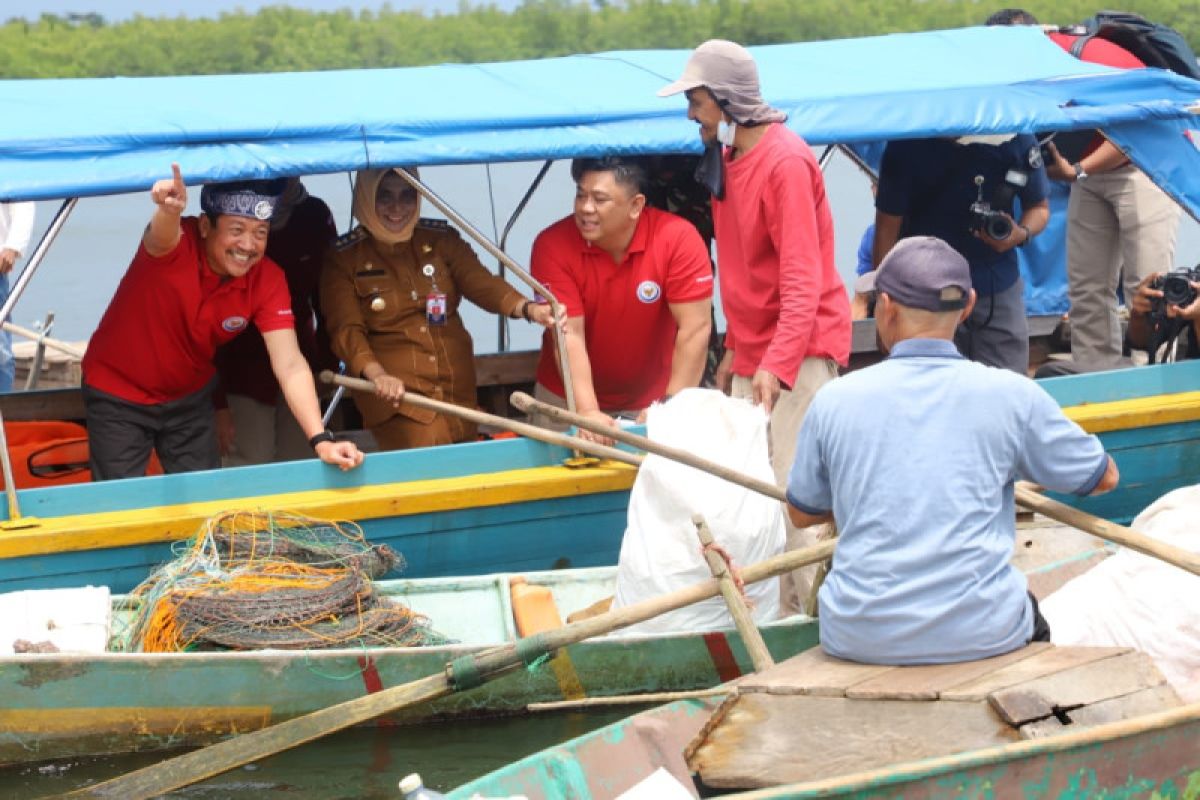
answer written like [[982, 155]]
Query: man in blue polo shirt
[[915, 458], [927, 187]]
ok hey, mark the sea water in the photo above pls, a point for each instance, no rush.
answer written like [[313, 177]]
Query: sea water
[[363, 762]]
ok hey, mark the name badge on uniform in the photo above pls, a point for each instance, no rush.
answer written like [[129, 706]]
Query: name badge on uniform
[[435, 308]]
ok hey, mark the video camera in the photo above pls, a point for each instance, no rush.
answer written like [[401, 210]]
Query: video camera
[[1176, 287], [983, 218]]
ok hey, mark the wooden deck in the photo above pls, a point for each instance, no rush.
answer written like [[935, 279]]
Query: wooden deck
[[815, 717]]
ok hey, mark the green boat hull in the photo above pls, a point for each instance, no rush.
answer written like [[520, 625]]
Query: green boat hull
[[1157, 756], [60, 705]]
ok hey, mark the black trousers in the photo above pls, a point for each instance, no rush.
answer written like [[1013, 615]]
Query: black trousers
[[121, 434], [1041, 628]]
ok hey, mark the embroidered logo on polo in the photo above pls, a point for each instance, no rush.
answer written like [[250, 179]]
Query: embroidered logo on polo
[[1035, 157], [648, 291], [233, 324]]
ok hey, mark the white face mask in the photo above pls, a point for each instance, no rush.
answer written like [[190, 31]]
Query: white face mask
[[725, 132]]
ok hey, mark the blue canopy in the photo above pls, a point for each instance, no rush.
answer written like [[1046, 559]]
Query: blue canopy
[[81, 137], [65, 138]]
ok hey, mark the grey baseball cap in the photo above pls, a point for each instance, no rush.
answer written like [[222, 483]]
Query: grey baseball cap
[[922, 272]]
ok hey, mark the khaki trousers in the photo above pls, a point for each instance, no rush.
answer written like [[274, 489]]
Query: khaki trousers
[[786, 418], [1118, 223]]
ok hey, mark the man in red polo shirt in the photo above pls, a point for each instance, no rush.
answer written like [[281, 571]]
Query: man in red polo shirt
[[194, 284], [786, 307], [637, 286], [1120, 226]]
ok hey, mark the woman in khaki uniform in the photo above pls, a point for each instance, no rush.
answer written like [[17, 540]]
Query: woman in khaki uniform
[[390, 291]]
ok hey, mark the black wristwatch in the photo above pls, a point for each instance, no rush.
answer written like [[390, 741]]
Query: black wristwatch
[[324, 436]]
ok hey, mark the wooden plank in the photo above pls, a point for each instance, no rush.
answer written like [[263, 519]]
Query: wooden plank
[[812, 672], [766, 740], [1146, 701], [1080, 686], [63, 404], [927, 682], [503, 369], [1047, 662]]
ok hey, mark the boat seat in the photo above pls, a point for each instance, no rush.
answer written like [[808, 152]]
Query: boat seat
[[534, 609], [815, 717]]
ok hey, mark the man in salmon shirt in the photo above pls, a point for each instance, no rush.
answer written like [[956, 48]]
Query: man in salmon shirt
[[194, 284], [786, 307]]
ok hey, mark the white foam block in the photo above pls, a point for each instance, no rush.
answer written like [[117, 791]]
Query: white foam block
[[73, 620]]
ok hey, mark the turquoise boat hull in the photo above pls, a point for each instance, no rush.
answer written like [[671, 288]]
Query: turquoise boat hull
[[468, 509], [69, 705], [507, 505]]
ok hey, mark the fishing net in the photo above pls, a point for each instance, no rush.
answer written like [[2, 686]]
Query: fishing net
[[251, 580]]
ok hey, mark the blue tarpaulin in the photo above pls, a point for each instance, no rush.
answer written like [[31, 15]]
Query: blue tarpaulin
[[62, 138]]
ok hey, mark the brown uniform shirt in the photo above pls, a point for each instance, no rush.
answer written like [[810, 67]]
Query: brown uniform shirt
[[374, 300]]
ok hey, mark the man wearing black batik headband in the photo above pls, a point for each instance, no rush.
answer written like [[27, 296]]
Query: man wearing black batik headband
[[194, 284]]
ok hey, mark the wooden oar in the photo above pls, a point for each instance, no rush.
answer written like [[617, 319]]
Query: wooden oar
[[483, 418], [524, 402], [463, 673], [1109, 531], [53, 344], [760, 656], [1060, 512]]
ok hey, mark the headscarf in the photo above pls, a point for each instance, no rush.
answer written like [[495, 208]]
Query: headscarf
[[366, 186]]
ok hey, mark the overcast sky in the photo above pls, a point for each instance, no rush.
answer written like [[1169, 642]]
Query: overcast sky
[[116, 10]]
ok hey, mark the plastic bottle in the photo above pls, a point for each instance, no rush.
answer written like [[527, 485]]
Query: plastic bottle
[[414, 789]]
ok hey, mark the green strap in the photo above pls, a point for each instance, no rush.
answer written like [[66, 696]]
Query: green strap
[[532, 649], [464, 673]]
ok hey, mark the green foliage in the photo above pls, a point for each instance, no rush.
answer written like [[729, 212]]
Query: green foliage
[[278, 39]]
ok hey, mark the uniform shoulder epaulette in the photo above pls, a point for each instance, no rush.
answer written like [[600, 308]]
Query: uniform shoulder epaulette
[[434, 224], [350, 238]]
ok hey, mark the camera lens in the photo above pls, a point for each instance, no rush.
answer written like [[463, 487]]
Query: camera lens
[[1177, 290], [998, 226]]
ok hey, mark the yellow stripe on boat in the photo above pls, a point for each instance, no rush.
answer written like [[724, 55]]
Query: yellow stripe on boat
[[1139, 412], [174, 720], [169, 523]]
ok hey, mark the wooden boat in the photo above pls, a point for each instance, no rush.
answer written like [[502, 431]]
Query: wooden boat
[[1042, 721], [59, 705], [512, 504], [63, 704]]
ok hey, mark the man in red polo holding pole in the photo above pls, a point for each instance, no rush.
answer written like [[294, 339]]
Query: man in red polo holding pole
[[194, 284], [637, 286]]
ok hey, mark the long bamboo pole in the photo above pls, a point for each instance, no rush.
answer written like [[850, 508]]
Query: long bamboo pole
[[1060, 512], [760, 656]]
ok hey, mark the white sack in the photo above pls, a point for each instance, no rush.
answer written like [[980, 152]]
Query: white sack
[[661, 552], [1132, 600], [73, 620]]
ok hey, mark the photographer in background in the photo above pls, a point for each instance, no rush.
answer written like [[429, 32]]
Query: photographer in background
[[1164, 321], [1120, 226], [962, 191]]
